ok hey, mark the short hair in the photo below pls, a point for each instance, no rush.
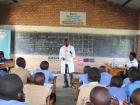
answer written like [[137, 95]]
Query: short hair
[[136, 97], [21, 62], [94, 74], [44, 65], [133, 54], [100, 96], [134, 75], [10, 86], [86, 69], [116, 81], [2, 53], [39, 78], [102, 68]]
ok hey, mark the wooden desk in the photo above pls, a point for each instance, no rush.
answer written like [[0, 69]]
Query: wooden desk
[[115, 71], [7, 64]]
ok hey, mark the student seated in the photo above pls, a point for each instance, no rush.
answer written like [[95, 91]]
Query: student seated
[[84, 77], [99, 96], [136, 97], [127, 81], [2, 60], [37, 93], [93, 78], [116, 90], [10, 86], [44, 69], [135, 79], [21, 71], [105, 76]]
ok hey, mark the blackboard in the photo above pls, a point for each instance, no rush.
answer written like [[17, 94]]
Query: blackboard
[[85, 44]]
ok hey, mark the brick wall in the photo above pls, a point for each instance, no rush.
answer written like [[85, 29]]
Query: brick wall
[[100, 14]]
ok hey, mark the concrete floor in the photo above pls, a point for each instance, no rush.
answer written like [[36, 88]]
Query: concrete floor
[[65, 96]]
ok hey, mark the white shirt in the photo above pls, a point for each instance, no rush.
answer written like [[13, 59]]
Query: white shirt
[[133, 63]]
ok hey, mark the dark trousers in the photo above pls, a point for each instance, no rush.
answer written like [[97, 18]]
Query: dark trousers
[[65, 76]]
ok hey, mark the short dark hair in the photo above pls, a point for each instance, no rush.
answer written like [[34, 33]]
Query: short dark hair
[[133, 54], [2, 53], [136, 96], [44, 65], [86, 69], [100, 95], [10, 86], [39, 78], [21, 62], [94, 74], [134, 75], [116, 81]]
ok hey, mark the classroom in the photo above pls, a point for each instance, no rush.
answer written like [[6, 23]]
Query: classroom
[[63, 42]]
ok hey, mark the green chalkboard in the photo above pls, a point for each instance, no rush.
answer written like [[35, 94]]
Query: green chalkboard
[[85, 44]]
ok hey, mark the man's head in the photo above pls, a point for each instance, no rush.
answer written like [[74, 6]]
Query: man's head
[[100, 96], [132, 56], [66, 42], [116, 81], [86, 69], [21, 62], [136, 97], [39, 78], [134, 74], [44, 65], [1, 54], [94, 74], [10, 86]]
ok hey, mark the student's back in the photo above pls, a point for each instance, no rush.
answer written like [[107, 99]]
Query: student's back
[[84, 77], [11, 85], [44, 69], [116, 90], [20, 71], [105, 76], [36, 93]]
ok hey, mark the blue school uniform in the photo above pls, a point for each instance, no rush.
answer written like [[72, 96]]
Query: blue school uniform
[[131, 87], [48, 75], [84, 79], [118, 92], [11, 102], [105, 78]]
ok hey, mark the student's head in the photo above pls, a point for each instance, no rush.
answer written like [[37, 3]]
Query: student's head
[[21, 62], [86, 69], [100, 96], [94, 74], [134, 75], [66, 42], [132, 56], [116, 81], [1, 54], [10, 86], [136, 97], [102, 68], [44, 65], [39, 78]]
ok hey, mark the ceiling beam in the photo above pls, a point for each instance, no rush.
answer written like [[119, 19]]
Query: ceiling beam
[[125, 3]]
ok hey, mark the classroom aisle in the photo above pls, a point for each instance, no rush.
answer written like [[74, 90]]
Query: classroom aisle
[[65, 96]]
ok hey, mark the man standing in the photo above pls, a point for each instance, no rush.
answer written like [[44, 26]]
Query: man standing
[[66, 55]]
